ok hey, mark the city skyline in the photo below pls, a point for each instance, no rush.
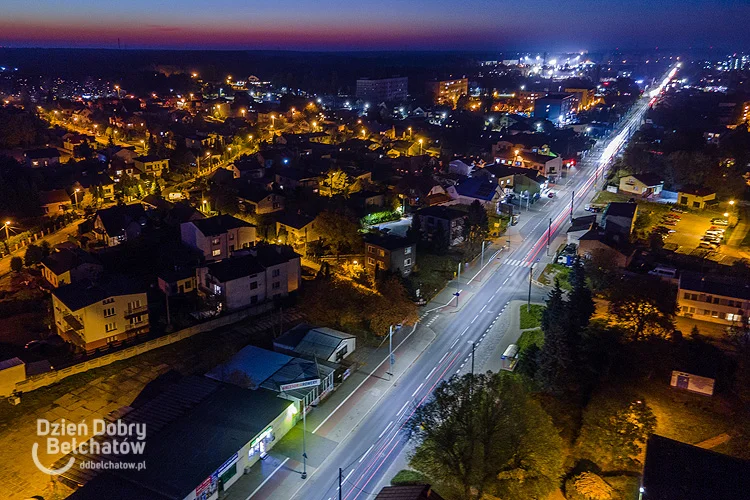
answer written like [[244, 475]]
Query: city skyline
[[387, 25]]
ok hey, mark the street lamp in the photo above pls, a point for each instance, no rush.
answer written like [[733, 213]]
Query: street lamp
[[75, 194], [7, 226], [421, 141], [409, 132], [731, 202], [726, 214]]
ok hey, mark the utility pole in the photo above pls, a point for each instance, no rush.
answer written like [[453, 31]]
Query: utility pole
[[169, 321], [304, 447], [572, 199], [528, 304], [390, 350], [549, 235], [340, 473], [458, 276], [473, 345], [482, 265]]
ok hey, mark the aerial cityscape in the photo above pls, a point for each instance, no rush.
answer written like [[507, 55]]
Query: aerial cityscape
[[378, 250]]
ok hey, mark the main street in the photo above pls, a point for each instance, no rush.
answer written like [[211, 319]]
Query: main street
[[362, 458]]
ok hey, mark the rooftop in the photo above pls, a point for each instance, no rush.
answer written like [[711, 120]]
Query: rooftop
[[235, 267], [310, 341], [477, 187], [387, 241], [220, 224], [724, 286], [80, 294], [442, 212], [409, 492], [649, 179], [620, 209], [65, 259], [680, 471]]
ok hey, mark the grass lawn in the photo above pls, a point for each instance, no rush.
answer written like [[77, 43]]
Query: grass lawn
[[530, 337], [553, 271], [432, 273], [607, 197], [531, 318]]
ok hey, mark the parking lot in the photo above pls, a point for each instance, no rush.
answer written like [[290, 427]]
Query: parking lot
[[689, 229]]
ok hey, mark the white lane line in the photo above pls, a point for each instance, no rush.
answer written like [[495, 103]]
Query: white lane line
[[464, 331], [504, 282], [431, 372], [347, 476], [454, 344], [368, 451], [261, 485], [482, 309], [402, 409], [475, 318], [415, 392], [387, 427], [443, 358]]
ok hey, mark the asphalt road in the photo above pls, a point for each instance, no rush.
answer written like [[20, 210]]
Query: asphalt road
[[369, 451]]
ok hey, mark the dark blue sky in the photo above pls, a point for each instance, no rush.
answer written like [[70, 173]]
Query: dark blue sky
[[383, 24]]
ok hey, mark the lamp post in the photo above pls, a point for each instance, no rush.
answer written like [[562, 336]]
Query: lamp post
[[7, 227], [421, 141], [304, 442], [75, 194]]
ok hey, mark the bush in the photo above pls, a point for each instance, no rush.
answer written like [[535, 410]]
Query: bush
[[588, 486], [380, 217], [406, 477], [529, 338], [16, 264], [531, 318]]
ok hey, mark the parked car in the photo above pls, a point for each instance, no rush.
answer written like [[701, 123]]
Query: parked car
[[720, 222], [709, 245], [677, 210], [550, 195], [669, 222]]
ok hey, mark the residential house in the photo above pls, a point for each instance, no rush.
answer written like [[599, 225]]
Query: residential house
[[367, 200], [70, 265], [408, 492], [151, 165], [593, 244], [440, 219], [696, 197], [718, 299], [291, 179], [389, 253], [316, 343], [251, 276], [178, 281], [618, 220], [645, 185], [119, 224], [480, 189], [299, 228], [579, 227], [254, 200], [217, 237], [250, 168], [55, 202], [515, 180], [91, 187], [95, 316], [181, 212], [44, 157], [548, 165]]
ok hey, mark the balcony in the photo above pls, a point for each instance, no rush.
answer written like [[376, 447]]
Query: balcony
[[134, 311]]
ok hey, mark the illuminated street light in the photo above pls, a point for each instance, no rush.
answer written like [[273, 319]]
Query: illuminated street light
[[7, 226], [731, 202], [726, 214], [75, 194], [421, 141]]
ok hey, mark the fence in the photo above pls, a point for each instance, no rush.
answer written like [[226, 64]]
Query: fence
[[36, 381], [18, 242]]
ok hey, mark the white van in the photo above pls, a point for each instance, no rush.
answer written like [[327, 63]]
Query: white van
[[664, 272]]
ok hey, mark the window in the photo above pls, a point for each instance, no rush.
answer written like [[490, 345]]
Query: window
[[136, 319], [407, 251], [254, 299], [407, 262], [110, 327], [275, 273], [276, 285], [381, 253], [216, 241], [341, 352], [109, 311], [371, 261], [370, 249], [216, 252], [188, 286], [716, 300], [108, 301], [687, 296], [734, 317], [231, 236], [109, 340], [253, 285]]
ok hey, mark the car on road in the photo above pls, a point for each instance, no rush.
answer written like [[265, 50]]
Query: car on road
[[669, 222], [720, 222], [716, 228], [706, 244], [677, 210]]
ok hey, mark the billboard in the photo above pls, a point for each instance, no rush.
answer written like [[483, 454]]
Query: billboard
[[299, 385]]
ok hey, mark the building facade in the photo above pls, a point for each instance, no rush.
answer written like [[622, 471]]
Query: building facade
[[389, 253], [217, 237], [383, 89], [448, 92], [721, 300]]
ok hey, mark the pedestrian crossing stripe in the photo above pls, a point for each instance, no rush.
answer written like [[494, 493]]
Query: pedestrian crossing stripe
[[517, 263]]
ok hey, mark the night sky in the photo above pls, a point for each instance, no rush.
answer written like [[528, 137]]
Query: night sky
[[381, 24]]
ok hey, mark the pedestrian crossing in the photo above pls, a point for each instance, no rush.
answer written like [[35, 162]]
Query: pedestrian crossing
[[516, 263]]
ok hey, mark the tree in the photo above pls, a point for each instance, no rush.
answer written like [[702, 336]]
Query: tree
[[414, 233], [33, 255], [615, 429], [476, 228], [337, 182], [16, 264], [338, 230], [485, 435], [392, 306], [556, 360], [644, 306], [580, 302], [588, 486]]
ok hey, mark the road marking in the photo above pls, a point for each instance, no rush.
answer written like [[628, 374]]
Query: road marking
[[464, 331], [400, 411], [415, 392], [388, 426], [504, 282], [454, 344], [347, 476], [475, 318], [482, 309], [431, 372], [368, 451], [261, 485], [443, 358]]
